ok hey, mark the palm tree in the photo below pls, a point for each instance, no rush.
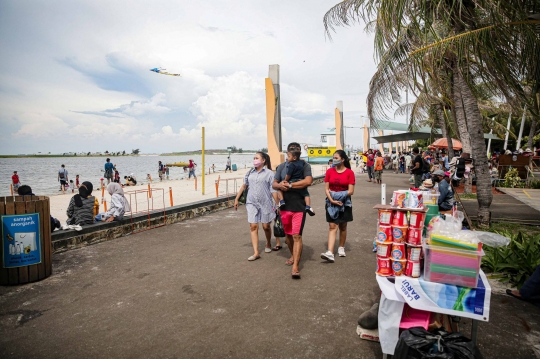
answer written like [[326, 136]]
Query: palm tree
[[466, 39]]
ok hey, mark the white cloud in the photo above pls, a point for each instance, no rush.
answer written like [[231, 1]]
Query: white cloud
[[40, 125]]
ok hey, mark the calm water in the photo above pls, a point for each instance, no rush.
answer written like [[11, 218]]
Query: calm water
[[41, 173]]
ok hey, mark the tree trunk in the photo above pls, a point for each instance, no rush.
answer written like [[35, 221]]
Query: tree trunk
[[445, 132], [461, 121], [478, 147]]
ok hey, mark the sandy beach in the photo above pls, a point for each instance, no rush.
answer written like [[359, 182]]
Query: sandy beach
[[183, 191]]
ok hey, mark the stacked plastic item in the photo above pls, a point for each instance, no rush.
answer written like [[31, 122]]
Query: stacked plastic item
[[399, 242], [408, 199], [452, 255]]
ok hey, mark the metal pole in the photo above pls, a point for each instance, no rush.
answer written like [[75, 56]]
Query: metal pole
[[203, 171], [507, 130], [521, 128], [383, 193]]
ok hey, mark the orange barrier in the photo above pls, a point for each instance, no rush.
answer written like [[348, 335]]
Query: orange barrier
[[170, 196], [149, 192], [195, 183], [105, 205], [147, 206], [217, 186]]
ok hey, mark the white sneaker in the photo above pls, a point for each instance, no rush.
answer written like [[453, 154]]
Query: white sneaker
[[329, 256], [341, 251]]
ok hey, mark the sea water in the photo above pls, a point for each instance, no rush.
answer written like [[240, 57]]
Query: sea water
[[42, 173]]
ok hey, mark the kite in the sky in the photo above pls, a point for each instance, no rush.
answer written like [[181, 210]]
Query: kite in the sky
[[159, 70]]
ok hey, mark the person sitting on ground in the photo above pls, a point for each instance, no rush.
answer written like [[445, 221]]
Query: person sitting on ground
[[80, 210], [446, 198], [129, 181], [530, 291], [119, 205], [25, 190], [295, 173]]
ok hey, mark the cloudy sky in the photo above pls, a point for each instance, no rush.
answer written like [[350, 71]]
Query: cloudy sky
[[74, 75]]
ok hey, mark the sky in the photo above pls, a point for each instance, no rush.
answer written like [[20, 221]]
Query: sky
[[74, 75]]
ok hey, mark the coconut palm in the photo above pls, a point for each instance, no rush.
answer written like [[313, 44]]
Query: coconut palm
[[470, 40]]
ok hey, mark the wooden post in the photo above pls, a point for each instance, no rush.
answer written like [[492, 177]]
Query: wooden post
[[149, 191], [102, 192], [170, 195], [203, 173], [11, 189], [195, 183]]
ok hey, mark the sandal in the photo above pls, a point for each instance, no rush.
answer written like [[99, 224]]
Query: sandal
[[295, 275], [289, 262], [509, 292], [252, 258], [277, 248]]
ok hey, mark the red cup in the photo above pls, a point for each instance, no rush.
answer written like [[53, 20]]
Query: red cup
[[384, 267], [398, 251], [417, 219], [413, 269], [384, 234], [383, 249], [414, 236], [398, 267], [400, 218], [413, 253], [399, 233], [385, 216]]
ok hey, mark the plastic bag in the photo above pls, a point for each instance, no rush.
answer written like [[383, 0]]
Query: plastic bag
[[278, 227], [492, 239], [419, 343]]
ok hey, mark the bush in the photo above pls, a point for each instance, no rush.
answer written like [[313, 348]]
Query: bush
[[512, 179], [535, 184], [517, 261]]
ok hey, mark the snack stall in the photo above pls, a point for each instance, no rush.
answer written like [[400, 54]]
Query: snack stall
[[426, 264]]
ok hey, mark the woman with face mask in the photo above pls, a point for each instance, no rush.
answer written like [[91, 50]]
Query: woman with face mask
[[259, 201], [339, 185]]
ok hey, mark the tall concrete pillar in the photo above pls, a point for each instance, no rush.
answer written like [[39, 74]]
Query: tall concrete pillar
[[381, 148], [273, 116], [340, 136], [366, 137]]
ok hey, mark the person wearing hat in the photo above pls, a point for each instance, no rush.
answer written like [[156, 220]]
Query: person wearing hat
[[446, 198]]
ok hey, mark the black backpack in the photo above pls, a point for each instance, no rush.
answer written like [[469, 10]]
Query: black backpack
[[460, 167]]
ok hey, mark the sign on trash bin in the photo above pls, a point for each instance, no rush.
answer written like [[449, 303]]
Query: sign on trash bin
[[21, 240]]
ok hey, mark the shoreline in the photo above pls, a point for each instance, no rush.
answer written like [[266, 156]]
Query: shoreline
[[183, 191]]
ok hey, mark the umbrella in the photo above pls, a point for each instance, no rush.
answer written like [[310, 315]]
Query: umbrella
[[442, 143]]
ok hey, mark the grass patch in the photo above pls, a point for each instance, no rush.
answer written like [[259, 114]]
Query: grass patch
[[467, 196], [514, 228]]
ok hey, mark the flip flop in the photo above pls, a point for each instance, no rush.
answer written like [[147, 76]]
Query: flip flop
[[295, 275], [289, 262], [277, 248], [253, 258], [509, 292]]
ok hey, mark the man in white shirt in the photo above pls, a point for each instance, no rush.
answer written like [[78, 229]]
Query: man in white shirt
[[408, 160]]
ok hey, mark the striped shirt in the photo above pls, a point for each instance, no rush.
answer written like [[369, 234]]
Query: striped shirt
[[81, 215], [259, 202]]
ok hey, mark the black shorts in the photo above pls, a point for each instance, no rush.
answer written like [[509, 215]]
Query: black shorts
[[343, 217], [63, 182]]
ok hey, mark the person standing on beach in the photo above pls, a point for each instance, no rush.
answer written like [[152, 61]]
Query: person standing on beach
[[417, 165], [293, 213], [167, 171], [370, 163], [15, 181], [109, 170], [191, 170], [259, 201], [63, 178], [160, 171], [228, 166], [339, 187]]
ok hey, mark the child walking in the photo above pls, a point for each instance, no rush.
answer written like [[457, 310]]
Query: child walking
[[295, 173]]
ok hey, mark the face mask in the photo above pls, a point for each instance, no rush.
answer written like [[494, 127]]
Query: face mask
[[436, 179], [337, 162], [257, 163]]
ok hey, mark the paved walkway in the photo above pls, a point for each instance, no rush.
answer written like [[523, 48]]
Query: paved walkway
[[530, 197], [187, 291]]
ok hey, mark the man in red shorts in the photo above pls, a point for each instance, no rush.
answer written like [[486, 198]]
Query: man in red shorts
[[293, 213]]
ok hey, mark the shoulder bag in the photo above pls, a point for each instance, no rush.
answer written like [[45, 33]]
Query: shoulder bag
[[243, 196]]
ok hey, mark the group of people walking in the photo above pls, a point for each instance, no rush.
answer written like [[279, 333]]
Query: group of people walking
[[285, 193]]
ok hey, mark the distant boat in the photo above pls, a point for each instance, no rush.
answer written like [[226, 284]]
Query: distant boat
[[177, 164]]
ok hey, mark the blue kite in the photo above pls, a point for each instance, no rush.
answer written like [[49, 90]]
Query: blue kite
[[159, 70]]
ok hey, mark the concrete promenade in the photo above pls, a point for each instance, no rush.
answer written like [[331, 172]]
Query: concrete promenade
[[187, 291]]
